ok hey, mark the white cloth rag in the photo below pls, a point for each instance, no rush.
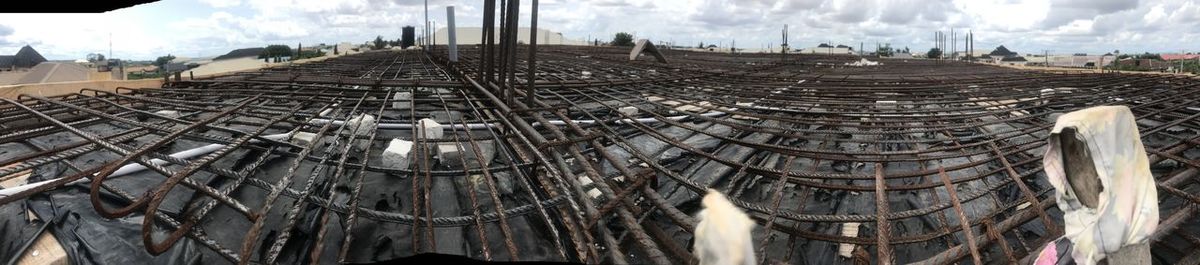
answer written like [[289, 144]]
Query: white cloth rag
[[1127, 210]]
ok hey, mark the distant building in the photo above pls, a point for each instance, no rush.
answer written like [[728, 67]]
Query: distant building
[[976, 54], [344, 47], [27, 57], [1176, 56], [1002, 52], [1078, 61], [1014, 60], [827, 50], [1142, 64], [473, 35], [407, 37]]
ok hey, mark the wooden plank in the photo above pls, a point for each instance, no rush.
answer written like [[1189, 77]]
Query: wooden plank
[[45, 250], [19, 180]]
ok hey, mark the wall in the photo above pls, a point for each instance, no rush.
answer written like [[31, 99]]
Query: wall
[[54, 89]]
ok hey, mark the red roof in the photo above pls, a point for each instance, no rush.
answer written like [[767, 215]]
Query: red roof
[[1177, 56]]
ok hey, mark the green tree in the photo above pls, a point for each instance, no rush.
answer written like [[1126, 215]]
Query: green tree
[[95, 57], [622, 39], [379, 42], [885, 50], [311, 54], [163, 60], [934, 53], [276, 50]]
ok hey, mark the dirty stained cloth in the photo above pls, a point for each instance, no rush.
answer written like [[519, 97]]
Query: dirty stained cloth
[[1127, 209]]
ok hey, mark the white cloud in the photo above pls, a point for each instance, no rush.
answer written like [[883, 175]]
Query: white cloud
[[213, 27], [222, 3]]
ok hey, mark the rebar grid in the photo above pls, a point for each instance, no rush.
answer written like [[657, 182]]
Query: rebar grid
[[605, 166]]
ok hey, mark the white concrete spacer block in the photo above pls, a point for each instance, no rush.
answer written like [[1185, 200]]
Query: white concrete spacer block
[[396, 155], [453, 154], [628, 110], [303, 138], [850, 230], [169, 113], [594, 193], [364, 122], [402, 100], [430, 129], [448, 153]]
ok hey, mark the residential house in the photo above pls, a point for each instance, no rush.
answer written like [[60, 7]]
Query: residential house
[[27, 57], [1013, 60]]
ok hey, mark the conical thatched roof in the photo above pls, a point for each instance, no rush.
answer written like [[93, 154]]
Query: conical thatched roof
[[1002, 52], [25, 58]]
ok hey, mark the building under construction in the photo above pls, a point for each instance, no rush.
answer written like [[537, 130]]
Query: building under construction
[[587, 157]]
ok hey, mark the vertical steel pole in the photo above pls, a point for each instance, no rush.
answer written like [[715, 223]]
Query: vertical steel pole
[[426, 31], [487, 53], [452, 43], [502, 40], [529, 89], [510, 68]]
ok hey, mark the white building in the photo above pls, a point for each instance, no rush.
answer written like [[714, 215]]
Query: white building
[[826, 50], [474, 35], [1013, 61], [344, 48], [1080, 61], [975, 53]]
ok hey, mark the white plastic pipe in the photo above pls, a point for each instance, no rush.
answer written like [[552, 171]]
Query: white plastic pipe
[[135, 167]]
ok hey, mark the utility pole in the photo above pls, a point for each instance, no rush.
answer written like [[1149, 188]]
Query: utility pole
[[1181, 53], [1046, 56], [784, 47]]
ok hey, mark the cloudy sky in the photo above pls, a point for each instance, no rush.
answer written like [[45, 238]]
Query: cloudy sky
[[195, 28]]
